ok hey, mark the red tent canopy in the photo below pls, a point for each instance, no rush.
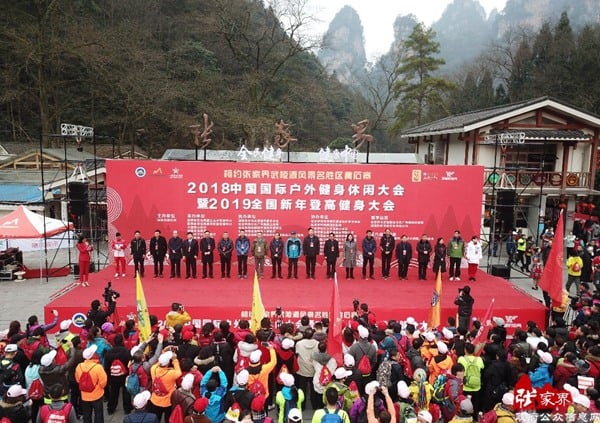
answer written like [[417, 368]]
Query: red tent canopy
[[23, 223]]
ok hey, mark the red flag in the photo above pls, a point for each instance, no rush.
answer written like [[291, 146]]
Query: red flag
[[551, 280], [334, 334], [482, 334]]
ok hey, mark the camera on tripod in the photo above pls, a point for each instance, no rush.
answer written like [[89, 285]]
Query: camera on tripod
[[110, 294]]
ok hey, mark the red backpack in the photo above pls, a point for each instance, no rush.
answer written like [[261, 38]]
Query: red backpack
[[257, 388], [242, 362], [158, 387], [50, 415], [86, 383], [30, 348], [61, 356], [325, 376], [117, 368], [36, 389], [364, 364], [176, 415]]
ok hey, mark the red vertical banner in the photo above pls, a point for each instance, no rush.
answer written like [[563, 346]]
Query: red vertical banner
[[551, 280], [334, 334]]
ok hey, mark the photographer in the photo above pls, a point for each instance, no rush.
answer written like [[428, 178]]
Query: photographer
[[99, 316], [465, 302], [177, 315]]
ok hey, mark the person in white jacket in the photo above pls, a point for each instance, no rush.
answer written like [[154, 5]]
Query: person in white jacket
[[473, 255]]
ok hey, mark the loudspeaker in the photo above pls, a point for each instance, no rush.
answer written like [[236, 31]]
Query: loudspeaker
[[501, 270], [505, 209], [76, 268], [78, 197]]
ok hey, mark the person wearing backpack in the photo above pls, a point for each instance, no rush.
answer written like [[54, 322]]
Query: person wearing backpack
[[325, 366], [91, 377], [214, 390], [51, 373], [503, 411], [465, 412], [390, 372], [406, 405], [140, 415], [331, 413], [574, 266], [305, 348], [441, 363], [58, 411], [421, 390], [289, 397], [183, 396], [10, 370], [364, 353], [115, 365], [164, 375], [238, 393], [453, 392], [472, 381], [34, 385], [14, 405]]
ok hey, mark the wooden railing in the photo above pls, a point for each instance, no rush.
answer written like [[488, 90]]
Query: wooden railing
[[531, 179]]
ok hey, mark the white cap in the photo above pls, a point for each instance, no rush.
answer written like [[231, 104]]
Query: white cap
[[287, 379], [255, 356], [65, 324], [141, 399], [403, 391], [11, 348], [429, 336], [363, 332], [371, 387], [447, 333], [165, 358], [546, 357], [466, 405], [287, 344], [341, 373], [242, 377], [187, 382], [295, 415], [442, 347], [425, 415], [411, 321], [135, 349], [581, 400], [16, 391], [48, 358], [349, 360], [89, 352], [499, 321], [508, 399]]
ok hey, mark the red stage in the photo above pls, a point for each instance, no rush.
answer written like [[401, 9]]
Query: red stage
[[217, 299]]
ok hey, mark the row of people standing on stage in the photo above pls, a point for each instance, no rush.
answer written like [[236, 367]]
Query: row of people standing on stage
[[293, 248]]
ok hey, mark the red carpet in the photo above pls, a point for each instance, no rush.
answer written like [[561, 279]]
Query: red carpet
[[216, 299]]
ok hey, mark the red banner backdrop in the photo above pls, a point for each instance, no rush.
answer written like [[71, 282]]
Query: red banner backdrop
[[270, 197]]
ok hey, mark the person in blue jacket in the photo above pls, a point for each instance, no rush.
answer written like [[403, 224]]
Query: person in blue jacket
[[369, 248], [293, 251], [215, 390], [242, 249], [542, 374]]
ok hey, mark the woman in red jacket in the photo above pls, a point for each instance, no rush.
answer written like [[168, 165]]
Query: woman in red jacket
[[85, 247]]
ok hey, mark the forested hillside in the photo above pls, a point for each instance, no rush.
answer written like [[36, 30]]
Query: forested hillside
[[145, 70]]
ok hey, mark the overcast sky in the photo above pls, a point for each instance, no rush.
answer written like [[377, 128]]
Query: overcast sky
[[377, 16]]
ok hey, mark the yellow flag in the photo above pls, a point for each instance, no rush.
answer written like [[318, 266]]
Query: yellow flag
[[258, 309], [436, 303], [142, 310]]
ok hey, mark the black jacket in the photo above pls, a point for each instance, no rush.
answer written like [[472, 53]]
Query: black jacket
[[424, 251], [190, 248], [99, 316], [117, 352], [138, 247], [158, 246], [465, 304], [401, 248], [175, 248], [311, 246], [331, 250]]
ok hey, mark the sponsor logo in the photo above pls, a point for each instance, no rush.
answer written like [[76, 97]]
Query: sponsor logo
[[157, 171], [450, 176], [140, 172], [176, 173], [14, 223], [511, 322], [79, 319], [416, 175], [428, 176]]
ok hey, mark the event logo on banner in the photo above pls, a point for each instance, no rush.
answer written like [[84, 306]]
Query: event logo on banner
[[285, 197]]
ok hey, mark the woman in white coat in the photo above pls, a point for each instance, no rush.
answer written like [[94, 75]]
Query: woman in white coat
[[474, 255]]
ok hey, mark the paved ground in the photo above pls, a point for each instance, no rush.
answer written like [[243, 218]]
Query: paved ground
[[22, 299]]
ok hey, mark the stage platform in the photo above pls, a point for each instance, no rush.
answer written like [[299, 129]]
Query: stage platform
[[218, 299]]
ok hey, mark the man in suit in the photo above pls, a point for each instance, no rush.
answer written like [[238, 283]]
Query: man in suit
[[190, 252], [175, 253], [207, 247], [158, 249], [138, 251]]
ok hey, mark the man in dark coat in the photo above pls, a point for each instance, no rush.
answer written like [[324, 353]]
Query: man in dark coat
[[424, 253], [387, 245], [138, 251], [311, 248], [115, 364], [158, 249], [207, 248], [464, 301], [175, 254], [190, 252], [403, 255], [332, 252]]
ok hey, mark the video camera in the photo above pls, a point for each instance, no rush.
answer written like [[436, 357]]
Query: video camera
[[355, 304], [110, 294]]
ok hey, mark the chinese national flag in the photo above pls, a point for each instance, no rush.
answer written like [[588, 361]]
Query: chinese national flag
[[551, 280], [436, 303], [334, 334]]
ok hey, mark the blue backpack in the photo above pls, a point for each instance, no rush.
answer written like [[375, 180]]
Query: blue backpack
[[333, 417], [132, 382]]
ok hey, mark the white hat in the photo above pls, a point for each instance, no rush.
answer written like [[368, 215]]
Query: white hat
[[416, 333], [508, 399], [403, 391], [466, 405], [411, 321], [242, 377], [295, 415], [442, 347], [187, 382], [447, 333], [341, 373], [255, 356], [65, 324], [425, 415], [363, 332], [141, 399], [287, 344], [581, 400], [165, 358], [349, 360], [3, 334], [48, 358], [11, 348], [371, 387], [499, 321], [16, 391], [287, 379], [545, 357], [89, 352], [134, 350], [429, 336]]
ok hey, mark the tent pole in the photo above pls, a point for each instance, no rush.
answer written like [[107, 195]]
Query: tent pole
[[44, 210], [96, 208]]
